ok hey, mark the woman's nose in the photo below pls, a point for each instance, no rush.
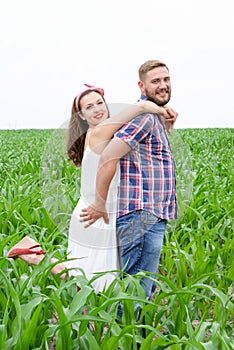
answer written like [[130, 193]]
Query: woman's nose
[[97, 108]]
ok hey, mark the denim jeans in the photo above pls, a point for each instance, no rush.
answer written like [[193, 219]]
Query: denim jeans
[[140, 237]]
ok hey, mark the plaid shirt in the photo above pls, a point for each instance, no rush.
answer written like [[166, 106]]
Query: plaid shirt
[[147, 179]]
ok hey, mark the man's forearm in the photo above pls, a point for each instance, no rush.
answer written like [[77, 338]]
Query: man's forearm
[[105, 174], [107, 167]]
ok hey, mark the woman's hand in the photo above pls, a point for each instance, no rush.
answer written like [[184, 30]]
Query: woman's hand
[[172, 114], [169, 114]]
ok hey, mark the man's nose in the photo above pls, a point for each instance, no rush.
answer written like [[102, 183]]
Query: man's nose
[[162, 84]]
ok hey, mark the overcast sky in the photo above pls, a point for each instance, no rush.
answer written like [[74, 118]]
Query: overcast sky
[[49, 48]]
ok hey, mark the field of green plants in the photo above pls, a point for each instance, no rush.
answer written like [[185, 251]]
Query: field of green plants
[[193, 307]]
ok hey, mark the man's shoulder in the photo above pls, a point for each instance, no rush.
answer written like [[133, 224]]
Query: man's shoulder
[[141, 120]]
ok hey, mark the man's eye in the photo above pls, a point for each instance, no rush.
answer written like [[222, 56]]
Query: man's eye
[[100, 103]]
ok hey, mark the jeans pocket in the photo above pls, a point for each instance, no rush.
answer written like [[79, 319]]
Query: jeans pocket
[[151, 219], [124, 231]]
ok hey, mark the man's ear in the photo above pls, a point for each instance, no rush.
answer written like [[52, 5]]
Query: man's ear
[[141, 86]]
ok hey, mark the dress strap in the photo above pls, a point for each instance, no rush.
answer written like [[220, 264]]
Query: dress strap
[[87, 138]]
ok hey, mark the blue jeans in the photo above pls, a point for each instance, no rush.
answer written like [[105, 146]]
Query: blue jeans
[[140, 237]]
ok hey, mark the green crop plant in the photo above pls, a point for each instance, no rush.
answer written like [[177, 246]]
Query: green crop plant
[[193, 305]]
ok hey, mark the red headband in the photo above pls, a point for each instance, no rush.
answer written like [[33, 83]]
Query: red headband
[[90, 87]]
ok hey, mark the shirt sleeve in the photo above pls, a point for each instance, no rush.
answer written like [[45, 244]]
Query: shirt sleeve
[[136, 130]]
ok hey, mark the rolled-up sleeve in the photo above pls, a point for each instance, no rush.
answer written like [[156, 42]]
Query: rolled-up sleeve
[[136, 130]]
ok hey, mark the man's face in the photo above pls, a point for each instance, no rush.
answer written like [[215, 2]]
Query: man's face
[[157, 86]]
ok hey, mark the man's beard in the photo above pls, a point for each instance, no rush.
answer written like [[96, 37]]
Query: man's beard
[[154, 99]]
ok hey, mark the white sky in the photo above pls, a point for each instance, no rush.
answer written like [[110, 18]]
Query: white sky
[[49, 48]]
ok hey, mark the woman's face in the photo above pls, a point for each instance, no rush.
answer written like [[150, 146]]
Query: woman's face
[[93, 109]]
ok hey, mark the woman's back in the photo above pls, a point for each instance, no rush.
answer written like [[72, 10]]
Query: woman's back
[[88, 181], [94, 248]]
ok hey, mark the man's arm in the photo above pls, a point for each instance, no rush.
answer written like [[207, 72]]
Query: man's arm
[[105, 173]]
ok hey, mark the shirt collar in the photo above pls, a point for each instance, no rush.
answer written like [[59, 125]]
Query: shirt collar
[[142, 98]]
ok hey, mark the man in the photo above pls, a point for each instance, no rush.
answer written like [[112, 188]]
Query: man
[[147, 193]]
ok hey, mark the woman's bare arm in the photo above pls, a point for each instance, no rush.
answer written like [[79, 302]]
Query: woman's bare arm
[[106, 129]]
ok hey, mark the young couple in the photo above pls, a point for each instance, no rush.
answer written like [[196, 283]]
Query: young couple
[[127, 182]]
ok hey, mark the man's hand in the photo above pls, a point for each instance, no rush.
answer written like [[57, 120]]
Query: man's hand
[[92, 213]]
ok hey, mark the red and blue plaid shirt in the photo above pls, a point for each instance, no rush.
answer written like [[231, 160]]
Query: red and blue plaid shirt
[[147, 172]]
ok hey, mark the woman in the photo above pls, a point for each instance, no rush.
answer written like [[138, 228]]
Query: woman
[[92, 249]]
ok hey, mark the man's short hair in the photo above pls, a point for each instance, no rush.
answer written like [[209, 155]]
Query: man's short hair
[[148, 66]]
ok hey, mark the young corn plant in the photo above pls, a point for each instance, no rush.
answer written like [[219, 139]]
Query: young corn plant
[[193, 304]]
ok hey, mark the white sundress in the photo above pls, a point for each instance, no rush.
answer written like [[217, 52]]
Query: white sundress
[[95, 247]]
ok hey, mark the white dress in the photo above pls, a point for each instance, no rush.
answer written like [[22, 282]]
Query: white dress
[[95, 247]]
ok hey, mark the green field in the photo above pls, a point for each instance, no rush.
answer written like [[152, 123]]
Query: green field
[[193, 306]]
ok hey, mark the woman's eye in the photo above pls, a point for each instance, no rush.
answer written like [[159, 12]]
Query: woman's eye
[[100, 103]]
